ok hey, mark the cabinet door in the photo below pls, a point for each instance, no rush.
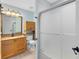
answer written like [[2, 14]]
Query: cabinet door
[[7, 48], [20, 44]]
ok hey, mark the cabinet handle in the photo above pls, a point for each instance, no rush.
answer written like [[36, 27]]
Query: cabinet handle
[[76, 50]]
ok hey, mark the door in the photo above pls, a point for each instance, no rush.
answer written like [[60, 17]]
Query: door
[[58, 33], [30, 28]]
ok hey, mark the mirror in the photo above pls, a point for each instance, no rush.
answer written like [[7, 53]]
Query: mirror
[[11, 25]]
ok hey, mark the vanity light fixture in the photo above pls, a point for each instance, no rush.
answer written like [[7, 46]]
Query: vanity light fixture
[[13, 13], [17, 14], [6, 12], [10, 13], [3, 12]]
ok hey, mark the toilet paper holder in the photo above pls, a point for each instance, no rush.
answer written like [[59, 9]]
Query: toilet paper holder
[[76, 50]]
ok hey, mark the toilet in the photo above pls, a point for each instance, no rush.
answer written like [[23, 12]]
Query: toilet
[[31, 42]]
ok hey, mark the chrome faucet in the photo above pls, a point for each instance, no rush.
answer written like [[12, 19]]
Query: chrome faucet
[[13, 28]]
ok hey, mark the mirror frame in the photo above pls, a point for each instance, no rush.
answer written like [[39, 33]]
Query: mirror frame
[[13, 34]]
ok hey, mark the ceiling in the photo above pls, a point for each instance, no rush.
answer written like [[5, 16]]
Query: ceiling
[[26, 4], [51, 1]]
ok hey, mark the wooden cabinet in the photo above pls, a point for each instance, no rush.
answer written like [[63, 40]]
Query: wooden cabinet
[[7, 48], [13, 47], [20, 44]]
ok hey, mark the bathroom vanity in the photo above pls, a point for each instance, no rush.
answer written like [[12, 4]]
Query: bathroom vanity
[[11, 46], [13, 41]]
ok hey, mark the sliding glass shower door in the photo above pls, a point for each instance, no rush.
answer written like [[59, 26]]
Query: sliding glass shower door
[[58, 33]]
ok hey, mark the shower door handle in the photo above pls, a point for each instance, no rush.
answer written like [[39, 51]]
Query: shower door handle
[[76, 50]]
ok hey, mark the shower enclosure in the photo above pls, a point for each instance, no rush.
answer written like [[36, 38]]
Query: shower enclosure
[[58, 32]]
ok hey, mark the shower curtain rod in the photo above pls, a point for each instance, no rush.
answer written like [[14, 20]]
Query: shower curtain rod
[[58, 5]]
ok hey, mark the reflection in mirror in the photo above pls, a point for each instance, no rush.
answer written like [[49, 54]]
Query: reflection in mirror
[[11, 24]]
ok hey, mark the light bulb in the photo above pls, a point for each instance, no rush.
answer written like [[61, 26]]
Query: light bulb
[[13, 14], [17, 15], [8, 13]]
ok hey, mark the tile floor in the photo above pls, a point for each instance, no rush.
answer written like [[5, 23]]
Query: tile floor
[[26, 55]]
